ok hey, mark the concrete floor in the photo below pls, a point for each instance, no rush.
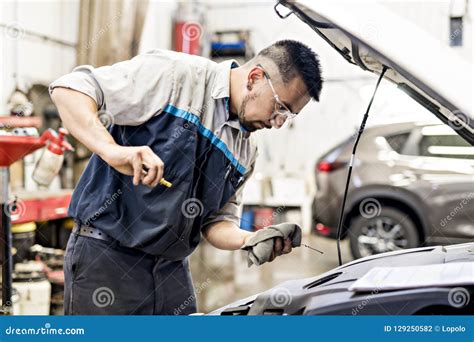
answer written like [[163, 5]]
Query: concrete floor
[[221, 277]]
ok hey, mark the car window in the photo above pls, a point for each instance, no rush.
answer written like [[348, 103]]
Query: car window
[[397, 141], [336, 151], [447, 146]]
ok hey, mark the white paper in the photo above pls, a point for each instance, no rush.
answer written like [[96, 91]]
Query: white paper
[[405, 277]]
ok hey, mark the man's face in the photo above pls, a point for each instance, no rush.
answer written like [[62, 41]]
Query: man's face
[[258, 106]]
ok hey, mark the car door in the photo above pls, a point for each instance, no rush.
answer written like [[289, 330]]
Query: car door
[[443, 165]]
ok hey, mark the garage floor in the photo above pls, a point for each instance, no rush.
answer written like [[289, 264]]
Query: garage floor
[[221, 277]]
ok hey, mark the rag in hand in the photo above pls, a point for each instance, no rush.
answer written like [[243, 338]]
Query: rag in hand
[[260, 246]]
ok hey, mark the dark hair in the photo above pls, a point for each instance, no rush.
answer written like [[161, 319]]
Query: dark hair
[[295, 58]]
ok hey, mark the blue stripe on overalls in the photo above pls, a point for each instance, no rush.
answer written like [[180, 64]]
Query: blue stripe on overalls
[[207, 133]]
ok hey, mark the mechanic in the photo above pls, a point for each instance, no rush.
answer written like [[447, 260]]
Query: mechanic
[[168, 116]]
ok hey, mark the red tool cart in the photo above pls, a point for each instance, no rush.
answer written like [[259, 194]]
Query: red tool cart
[[30, 206]]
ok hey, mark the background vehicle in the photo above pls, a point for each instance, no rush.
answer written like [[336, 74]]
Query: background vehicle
[[412, 184]]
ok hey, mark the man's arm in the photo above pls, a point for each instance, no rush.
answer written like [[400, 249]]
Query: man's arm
[[131, 92], [79, 115], [227, 235], [222, 229]]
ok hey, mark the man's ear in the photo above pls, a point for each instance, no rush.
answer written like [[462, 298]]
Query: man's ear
[[254, 75]]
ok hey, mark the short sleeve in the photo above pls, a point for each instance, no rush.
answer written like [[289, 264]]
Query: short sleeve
[[131, 91]]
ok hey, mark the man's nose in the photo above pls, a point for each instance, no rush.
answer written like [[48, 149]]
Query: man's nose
[[278, 121]]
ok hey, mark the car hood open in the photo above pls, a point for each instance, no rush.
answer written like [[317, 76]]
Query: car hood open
[[329, 294], [423, 67]]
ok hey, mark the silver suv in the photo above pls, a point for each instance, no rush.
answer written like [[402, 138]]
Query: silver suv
[[412, 184]]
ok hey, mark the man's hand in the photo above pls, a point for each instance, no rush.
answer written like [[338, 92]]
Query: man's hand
[[266, 244], [280, 246], [137, 161]]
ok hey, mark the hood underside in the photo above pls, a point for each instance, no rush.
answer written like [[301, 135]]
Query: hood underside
[[411, 56]]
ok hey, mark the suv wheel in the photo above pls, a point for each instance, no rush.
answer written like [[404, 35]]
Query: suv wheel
[[390, 230]]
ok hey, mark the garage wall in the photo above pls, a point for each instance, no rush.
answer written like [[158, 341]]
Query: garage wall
[[157, 32], [433, 17], [35, 59]]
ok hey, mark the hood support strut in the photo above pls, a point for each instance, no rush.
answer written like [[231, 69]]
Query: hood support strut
[[351, 164]]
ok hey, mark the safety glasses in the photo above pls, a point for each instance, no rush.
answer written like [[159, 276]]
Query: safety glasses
[[281, 112]]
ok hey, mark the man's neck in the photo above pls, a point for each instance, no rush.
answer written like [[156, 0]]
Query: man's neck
[[234, 96]]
